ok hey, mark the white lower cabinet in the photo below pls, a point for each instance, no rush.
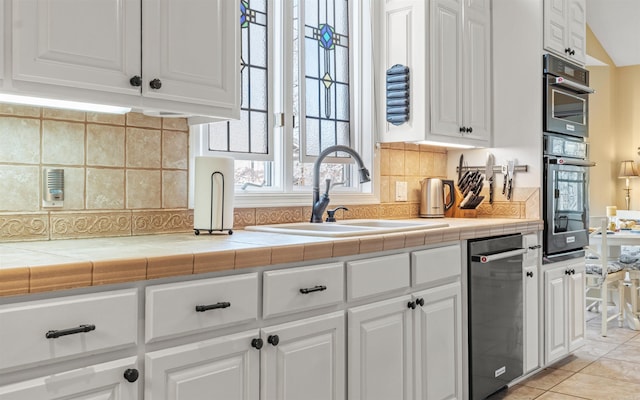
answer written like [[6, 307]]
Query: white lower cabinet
[[409, 347], [438, 343], [304, 359], [531, 322], [381, 350], [113, 380], [298, 360], [222, 368], [564, 309]]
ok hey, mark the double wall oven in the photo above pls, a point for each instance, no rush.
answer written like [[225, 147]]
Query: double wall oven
[[566, 163]]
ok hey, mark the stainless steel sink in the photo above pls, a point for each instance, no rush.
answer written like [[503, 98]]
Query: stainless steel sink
[[355, 227]]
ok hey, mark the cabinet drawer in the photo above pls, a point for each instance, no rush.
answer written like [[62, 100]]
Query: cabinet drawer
[[180, 308], [433, 265], [377, 275], [30, 330], [303, 288]]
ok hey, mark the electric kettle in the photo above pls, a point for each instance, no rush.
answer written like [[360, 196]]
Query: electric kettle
[[433, 197]]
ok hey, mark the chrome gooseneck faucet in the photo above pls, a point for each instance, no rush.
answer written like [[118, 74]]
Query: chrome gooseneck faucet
[[320, 204]]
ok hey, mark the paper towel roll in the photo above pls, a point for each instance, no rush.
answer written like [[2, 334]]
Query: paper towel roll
[[213, 197]]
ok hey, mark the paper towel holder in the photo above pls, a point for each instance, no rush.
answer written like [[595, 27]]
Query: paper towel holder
[[211, 229]]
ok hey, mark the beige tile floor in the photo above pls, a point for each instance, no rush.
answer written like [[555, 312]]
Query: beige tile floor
[[605, 368]]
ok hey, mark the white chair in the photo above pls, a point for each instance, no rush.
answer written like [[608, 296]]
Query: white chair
[[603, 275]]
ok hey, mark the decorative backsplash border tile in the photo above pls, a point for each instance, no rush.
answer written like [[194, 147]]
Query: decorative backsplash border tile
[[86, 224]]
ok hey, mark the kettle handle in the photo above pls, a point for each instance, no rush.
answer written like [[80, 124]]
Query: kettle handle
[[452, 192]]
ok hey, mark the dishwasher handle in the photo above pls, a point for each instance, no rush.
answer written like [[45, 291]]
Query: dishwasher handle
[[487, 258]]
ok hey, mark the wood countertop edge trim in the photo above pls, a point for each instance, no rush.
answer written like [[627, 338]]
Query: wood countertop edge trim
[[432, 236]]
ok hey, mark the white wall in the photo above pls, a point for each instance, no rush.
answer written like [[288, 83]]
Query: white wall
[[517, 92]]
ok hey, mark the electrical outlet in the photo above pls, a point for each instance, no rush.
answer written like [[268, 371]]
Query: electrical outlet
[[401, 191]]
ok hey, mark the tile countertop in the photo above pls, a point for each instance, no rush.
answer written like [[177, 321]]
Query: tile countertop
[[32, 267]]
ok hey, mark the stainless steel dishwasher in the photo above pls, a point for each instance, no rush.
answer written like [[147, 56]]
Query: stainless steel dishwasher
[[495, 313]]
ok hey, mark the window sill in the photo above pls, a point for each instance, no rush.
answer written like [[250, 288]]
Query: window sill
[[262, 199]]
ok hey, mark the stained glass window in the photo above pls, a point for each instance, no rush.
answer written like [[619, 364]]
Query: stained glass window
[[250, 133], [325, 65]]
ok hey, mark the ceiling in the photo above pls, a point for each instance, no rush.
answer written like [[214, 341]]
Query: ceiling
[[616, 25]]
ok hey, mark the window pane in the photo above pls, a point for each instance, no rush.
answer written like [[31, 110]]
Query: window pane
[[241, 135], [326, 63]]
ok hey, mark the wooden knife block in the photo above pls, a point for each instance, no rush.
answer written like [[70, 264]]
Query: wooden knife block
[[456, 212]]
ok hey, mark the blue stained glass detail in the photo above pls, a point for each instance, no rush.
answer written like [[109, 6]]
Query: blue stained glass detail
[[243, 14], [326, 36]]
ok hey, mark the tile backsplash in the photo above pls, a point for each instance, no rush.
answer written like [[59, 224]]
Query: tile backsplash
[[128, 175], [124, 174]]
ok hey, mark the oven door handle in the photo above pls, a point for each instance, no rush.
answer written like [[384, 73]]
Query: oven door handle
[[583, 89], [577, 163], [487, 258]]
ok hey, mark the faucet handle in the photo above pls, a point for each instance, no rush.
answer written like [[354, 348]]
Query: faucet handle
[[326, 192], [331, 213]]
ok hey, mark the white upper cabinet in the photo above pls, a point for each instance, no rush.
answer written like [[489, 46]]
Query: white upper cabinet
[[565, 29], [447, 46], [191, 51], [404, 33], [91, 45], [168, 56], [461, 71]]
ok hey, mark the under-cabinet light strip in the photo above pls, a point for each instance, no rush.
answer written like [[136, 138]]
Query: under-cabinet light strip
[[69, 105]]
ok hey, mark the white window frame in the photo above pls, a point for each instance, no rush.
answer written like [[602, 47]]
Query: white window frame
[[362, 120]]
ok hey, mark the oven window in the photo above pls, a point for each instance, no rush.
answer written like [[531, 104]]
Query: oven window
[[569, 200], [568, 107]]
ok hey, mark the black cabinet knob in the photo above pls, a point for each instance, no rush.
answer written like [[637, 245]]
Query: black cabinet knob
[[567, 50], [469, 130], [257, 343], [155, 84], [573, 271], [136, 81], [131, 375], [462, 129], [411, 305], [273, 340], [530, 274], [572, 52], [567, 272], [420, 301]]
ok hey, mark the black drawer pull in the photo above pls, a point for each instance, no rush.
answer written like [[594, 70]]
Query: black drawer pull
[[530, 274], [318, 288], [223, 304], [71, 331]]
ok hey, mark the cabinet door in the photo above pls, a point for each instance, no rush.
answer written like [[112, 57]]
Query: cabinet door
[[577, 23], [556, 314], [477, 70], [304, 359], [223, 368], [78, 44], [404, 41], [192, 50], [380, 351], [438, 341], [576, 302], [555, 26], [531, 324], [446, 64], [96, 382]]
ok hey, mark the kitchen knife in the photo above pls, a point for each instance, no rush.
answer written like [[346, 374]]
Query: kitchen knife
[[488, 175], [460, 169], [505, 174], [511, 166]]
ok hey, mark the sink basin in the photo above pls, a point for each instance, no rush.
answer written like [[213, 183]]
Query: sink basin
[[354, 227]]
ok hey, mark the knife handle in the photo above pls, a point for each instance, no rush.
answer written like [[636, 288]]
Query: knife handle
[[510, 189], [491, 192], [504, 185]]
